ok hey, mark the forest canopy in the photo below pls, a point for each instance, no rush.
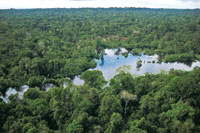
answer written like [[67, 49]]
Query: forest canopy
[[161, 103], [52, 46], [39, 46]]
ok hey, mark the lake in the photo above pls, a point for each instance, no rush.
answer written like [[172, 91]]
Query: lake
[[149, 64], [112, 61]]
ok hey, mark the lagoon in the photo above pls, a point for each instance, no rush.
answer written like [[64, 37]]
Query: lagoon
[[111, 61], [149, 64]]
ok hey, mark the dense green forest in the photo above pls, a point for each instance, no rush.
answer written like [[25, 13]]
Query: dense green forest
[[42, 46], [162, 103]]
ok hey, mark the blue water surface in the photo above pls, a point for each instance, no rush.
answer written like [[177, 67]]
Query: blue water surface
[[111, 62]]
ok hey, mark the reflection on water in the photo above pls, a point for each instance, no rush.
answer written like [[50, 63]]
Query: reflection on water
[[102, 63], [48, 86], [12, 91], [23, 89], [149, 64], [78, 81], [113, 60]]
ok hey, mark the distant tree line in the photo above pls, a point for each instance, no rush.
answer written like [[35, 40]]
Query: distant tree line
[[46, 45], [42, 46]]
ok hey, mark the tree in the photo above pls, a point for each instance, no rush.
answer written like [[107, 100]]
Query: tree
[[124, 68], [39, 107], [109, 105], [32, 93], [180, 111], [74, 127], [36, 81], [126, 96], [93, 78], [4, 114], [115, 123]]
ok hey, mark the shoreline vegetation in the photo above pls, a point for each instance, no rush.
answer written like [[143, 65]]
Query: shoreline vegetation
[[156, 101], [44, 46]]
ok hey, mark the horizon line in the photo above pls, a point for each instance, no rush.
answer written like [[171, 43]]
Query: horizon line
[[98, 8]]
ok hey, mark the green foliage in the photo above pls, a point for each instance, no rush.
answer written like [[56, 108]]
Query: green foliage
[[39, 107], [179, 57], [44, 46], [180, 111], [109, 105], [59, 43], [35, 81], [94, 78], [74, 127], [124, 68], [161, 103], [4, 114], [33, 93], [114, 124]]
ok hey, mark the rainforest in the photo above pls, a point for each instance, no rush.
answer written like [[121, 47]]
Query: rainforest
[[45, 50]]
